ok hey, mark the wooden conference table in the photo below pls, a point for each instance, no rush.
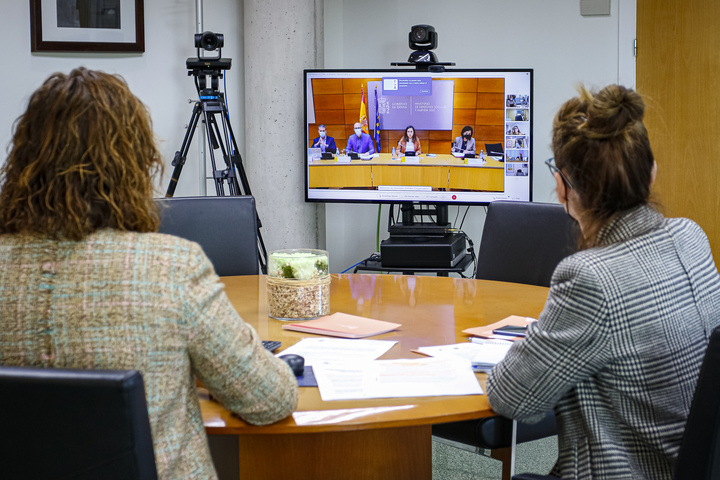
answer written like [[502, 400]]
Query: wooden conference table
[[443, 171], [378, 438]]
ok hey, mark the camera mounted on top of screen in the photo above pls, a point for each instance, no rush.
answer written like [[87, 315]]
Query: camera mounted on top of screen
[[202, 67], [423, 39]]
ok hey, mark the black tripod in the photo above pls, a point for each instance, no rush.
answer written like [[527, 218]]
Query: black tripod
[[211, 105]]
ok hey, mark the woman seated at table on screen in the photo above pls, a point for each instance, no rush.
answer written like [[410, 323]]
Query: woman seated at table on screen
[[617, 350], [88, 284], [465, 143], [409, 142]]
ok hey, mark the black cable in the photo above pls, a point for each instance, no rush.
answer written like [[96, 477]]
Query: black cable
[[463, 219], [471, 250]]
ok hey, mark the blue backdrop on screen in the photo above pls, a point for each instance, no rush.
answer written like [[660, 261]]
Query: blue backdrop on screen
[[423, 103]]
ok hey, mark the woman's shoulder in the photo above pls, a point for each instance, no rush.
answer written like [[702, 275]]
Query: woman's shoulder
[[682, 224], [150, 243]]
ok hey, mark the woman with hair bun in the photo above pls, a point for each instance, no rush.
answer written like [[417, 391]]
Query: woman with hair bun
[[617, 350]]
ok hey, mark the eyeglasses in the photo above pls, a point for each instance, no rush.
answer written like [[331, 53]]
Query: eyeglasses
[[553, 169]]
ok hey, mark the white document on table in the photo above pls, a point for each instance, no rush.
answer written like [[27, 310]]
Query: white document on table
[[417, 377], [338, 350], [482, 353]]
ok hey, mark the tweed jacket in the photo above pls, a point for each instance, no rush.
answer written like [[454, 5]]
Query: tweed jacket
[[618, 348], [150, 302]]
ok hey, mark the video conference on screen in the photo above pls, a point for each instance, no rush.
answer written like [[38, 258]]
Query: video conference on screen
[[495, 104]]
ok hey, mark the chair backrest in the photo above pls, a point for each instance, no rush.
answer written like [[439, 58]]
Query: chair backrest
[[522, 242], [494, 148], [79, 424], [699, 457], [225, 227]]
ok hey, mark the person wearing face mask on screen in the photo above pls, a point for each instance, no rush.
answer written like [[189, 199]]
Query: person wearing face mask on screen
[[465, 143], [323, 142], [360, 142]]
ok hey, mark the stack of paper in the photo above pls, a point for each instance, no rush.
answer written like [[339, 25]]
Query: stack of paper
[[482, 353], [417, 377], [487, 331], [338, 350], [492, 351], [343, 325]]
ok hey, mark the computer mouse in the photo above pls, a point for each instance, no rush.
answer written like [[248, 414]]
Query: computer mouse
[[296, 362]]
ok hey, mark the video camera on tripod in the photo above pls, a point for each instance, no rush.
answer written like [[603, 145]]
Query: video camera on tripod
[[211, 103], [202, 67]]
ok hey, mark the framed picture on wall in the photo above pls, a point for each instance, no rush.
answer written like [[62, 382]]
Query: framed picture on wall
[[87, 26]]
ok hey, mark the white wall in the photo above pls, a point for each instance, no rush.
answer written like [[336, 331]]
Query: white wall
[[158, 77], [562, 47]]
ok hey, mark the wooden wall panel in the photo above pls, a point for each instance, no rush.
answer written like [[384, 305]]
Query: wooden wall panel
[[437, 146], [328, 102], [465, 116], [324, 86], [352, 116], [440, 135], [490, 117], [678, 74], [351, 101], [490, 100], [464, 100], [496, 85], [495, 132], [331, 117], [466, 84]]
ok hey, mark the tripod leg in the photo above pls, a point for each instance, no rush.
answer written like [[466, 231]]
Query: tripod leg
[[244, 187], [222, 139], [181, 155], [236, 160], [217, 175]]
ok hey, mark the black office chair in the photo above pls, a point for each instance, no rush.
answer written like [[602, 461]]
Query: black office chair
[[699, 456], [522, 242], [79, 424], [225, 227]]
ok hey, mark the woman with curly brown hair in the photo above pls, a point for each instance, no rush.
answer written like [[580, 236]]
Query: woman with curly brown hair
[[87, 284], [617, 350]]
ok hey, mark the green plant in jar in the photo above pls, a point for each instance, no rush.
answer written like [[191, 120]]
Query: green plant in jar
[[298, 284], [298, 265]]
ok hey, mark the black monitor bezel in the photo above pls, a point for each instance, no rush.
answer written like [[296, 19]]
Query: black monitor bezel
[[448, 71]]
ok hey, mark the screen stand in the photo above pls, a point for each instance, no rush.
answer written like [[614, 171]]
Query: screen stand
[[409, 227], [423, 246]]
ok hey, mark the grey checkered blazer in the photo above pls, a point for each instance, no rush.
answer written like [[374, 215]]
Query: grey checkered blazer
[[618, 348]]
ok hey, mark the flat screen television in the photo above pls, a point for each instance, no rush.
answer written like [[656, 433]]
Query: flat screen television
[[496, 105]]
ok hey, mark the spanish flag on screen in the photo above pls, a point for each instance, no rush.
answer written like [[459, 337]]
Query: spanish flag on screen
[[363, 113], [377, 122]]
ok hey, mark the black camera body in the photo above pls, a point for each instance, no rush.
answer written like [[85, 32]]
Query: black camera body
[[209, 42], [423, 37], [422, 40], [203, 67]]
